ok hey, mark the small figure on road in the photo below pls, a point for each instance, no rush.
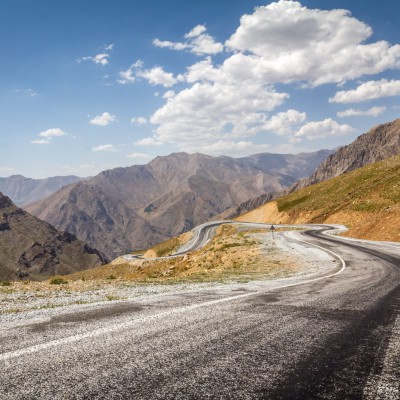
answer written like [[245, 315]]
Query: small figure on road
[[272, 230]]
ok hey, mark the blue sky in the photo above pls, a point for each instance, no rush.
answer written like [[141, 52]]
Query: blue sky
[[91, 85]]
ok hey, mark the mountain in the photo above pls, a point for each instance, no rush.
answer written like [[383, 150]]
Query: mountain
[[377, 144], [132, 208], [367, 200], [23, 190], [32, 248]]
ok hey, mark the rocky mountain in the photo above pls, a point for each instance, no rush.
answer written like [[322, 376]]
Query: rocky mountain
[[23, 190], [132, 208], [377, 144], [367, 200], [31, 248]]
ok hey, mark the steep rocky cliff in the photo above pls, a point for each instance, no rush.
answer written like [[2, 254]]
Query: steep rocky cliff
[[377, 144], [31, 248]]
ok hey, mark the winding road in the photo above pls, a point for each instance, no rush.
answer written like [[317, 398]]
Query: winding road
[[331, 336]]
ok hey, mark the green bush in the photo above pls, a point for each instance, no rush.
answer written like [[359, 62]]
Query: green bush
[[57, 280], [5, 283]]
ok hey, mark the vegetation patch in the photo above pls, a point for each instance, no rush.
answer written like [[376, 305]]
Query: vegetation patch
[[233, 254], [58, 280]]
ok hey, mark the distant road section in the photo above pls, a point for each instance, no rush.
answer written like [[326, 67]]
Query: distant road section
[[332, 335]]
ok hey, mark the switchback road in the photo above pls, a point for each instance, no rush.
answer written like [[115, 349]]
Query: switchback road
[[331, 336]]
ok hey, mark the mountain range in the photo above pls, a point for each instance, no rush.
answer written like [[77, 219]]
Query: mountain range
[[132, 208], [24, 190], [379, 143], [31, 248]]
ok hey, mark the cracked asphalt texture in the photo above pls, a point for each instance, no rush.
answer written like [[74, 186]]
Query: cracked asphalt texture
[[332, 338]]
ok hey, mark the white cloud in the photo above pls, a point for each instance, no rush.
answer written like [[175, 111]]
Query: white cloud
[[282, 42], [108, 47], [53, 132], [288, 42], [323, 129], [27, 92], [139, 156], [196, 31], [103, 119], [41, 141], [371, 112], [48, 136], [157, 76], [101, 59], [284, 123], [128, 76], [170, 45], [105, 147], [139, 120], [168, 94], [209, 112], [149, 141], [198, 41], [368, 91]]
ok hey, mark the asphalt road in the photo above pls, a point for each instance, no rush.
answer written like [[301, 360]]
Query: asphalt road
[[335, 336]]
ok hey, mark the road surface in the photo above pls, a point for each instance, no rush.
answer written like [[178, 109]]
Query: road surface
[[335, 336]]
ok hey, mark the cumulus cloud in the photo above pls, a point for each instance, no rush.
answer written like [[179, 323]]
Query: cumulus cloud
[[105, 147], [371, 112], [139, 120], [47, 136], [215, 111], [284, 123], [368, 91], [323, 129], [288, 42], [198, 41], [103, 119], [53, 132], [283, 42], [155, 75], [149, 141], [101, 59]]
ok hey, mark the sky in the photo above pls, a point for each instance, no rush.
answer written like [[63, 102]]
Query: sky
[[89, 85]]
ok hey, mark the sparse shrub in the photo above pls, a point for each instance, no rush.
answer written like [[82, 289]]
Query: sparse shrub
[[110, 297], [5, 283], [111, 277], [58, 280]]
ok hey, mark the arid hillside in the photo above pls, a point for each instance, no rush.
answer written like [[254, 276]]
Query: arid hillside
[[127, 209], [367, 200], [33, 249]]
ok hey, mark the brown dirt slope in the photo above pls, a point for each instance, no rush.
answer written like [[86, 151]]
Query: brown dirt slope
[[367, 200]]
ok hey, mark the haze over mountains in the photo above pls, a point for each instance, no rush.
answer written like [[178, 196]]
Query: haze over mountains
[[23, 190], [124, 209], [32, 248]]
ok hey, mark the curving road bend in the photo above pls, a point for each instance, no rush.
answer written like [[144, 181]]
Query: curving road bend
[[331, 336]]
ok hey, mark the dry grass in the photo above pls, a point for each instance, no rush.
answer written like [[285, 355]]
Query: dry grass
[[367, 200], [233, 254]]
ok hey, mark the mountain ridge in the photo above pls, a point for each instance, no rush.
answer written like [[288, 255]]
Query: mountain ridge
[[132, 208], [23, 190], [31, 248]]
